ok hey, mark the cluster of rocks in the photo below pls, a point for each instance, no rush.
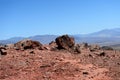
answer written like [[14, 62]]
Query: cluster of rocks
[[68, 43], [24, 45], [63, 42]]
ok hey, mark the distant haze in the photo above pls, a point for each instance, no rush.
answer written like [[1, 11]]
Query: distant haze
[[103, 37], [24, 18]]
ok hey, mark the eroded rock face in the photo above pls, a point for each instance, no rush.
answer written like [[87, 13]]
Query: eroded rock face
[[28, 44], [65, 42]]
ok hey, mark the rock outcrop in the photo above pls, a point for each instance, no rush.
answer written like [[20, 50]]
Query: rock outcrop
[[65, 42], [28, 44]]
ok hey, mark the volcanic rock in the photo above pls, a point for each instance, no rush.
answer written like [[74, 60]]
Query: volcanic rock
[[28, 44], [65, 42]]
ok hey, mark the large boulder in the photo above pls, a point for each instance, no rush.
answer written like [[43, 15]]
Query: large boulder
[[65, 42], [28, 44]]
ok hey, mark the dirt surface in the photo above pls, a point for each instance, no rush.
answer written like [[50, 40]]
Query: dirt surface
[[35, 64]]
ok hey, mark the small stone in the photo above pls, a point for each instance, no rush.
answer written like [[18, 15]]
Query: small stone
[[85, 73], [32, 52], [102, 54]]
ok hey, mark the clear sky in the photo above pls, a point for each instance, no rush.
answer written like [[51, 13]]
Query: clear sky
[[38, 17]]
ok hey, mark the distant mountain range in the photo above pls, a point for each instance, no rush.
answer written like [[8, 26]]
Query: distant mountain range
[[103, 37], [44, 39], [107, 33]]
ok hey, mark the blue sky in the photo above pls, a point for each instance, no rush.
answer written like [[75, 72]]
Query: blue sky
[[38, 17]]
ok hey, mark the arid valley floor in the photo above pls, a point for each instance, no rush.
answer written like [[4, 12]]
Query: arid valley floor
[[61, 61]]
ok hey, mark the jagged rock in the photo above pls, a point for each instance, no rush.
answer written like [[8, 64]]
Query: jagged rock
[[28, 44], [65, 42]]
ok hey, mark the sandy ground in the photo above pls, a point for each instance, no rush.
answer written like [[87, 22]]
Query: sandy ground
[[37, 64]]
